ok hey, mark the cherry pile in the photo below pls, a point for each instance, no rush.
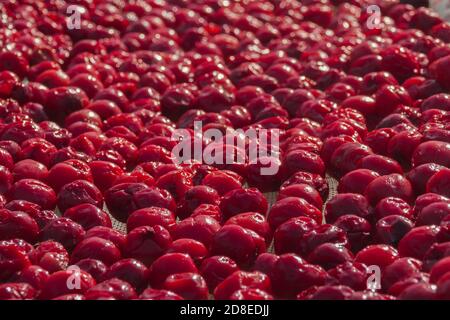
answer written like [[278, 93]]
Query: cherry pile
[[86, 122]]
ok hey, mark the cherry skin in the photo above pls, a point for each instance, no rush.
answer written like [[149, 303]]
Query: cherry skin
[[243, 200], [265, 262], [290, 267], [329, 255], [437, 252], [68, 171], [195, 249], [29, 169], [392, 206], [34, 191], [253, 221], [314, 180], [431, 152], [391, 229], [64, 100], [16, 224], [17, 291], [221, 181], [13, 148], [437, 101], [439, 269], [304, 191], [94, 267], [150, 217], [420, 175], [330, 144], [291, 207], [79, 192], [56, 284], [401, 285], [104, 108], [393, 185], [417, 241], [153, 294], [196, 196], [38, 149], [96, 248], [15, 259], [357, 229], [88, 216], [356, 181], [33, 275], [288, 236], [380, 255], [251, 294], [377, 139], [443, 287], [438, 182], [50, 255], [325, 233], [63, 230], [437, 71], [380, 164], [346, 157], [426, 199], [301, 160], [400, 269], [433, 214], [419, 291], [201, 228], [115, 236], [147, 243], [104, 174], [351, 274], [251, 244], [124, 198], [111, 289], [403, 145], [242, 280], [189, 285], [6, 159], [129, 270], [169, 264], [215, 269], [346, 203]]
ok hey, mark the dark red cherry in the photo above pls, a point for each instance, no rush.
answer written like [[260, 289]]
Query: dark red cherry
[[169, 264], [242, 280], [417, 241], [291, 275], [380, 255], [393, 185], [147, 243], [391, 229]]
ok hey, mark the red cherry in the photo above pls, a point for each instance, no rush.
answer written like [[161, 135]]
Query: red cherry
[[56, 284], [242, 280], [389, 185], [96, 248], [94, 267], [129, 270], [111, 289], [79, 192], [147, 243], [380, 255], [291, 275], [251, 244], [34, 191], [417, 241], [169, 264]]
